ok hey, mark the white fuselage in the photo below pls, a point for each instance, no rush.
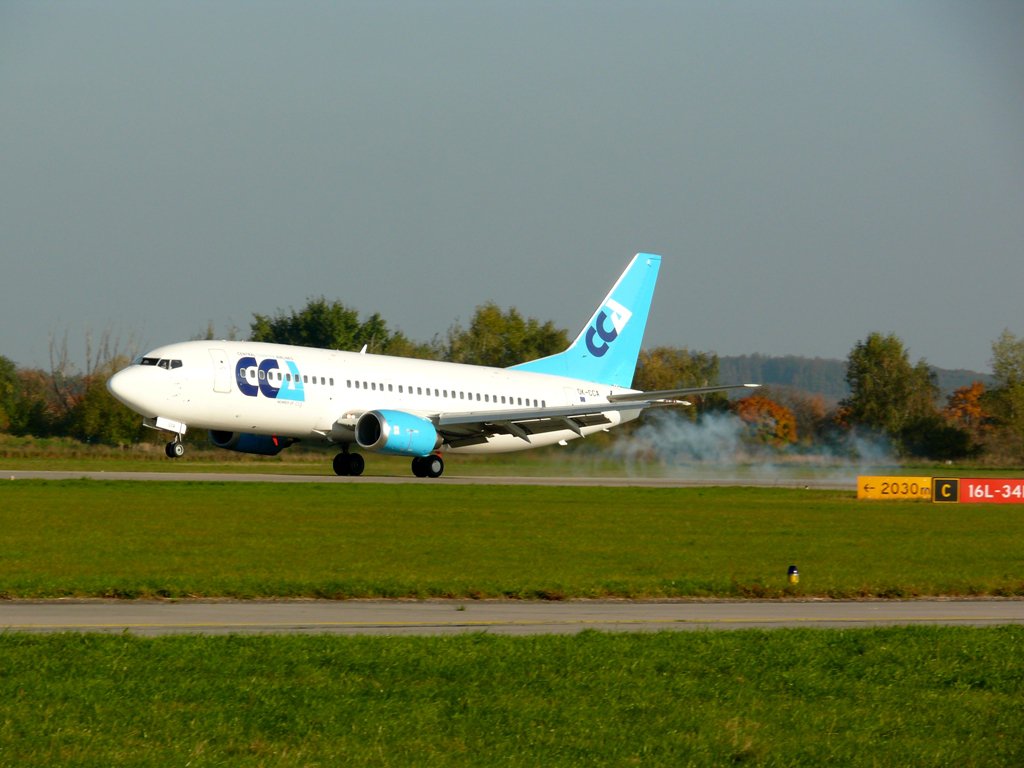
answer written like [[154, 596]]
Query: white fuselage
[[316, 394]]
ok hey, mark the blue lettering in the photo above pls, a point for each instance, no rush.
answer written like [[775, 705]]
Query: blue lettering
[[241, 368], [293, 389], [606, 335], [268, 376], [267, 386]]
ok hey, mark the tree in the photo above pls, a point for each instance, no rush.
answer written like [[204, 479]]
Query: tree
[[677, 368], [966, 410], [501, 339], [328, 325], [8, 393], [887, 393], [768, 421], [1005, 401], [97, 417]]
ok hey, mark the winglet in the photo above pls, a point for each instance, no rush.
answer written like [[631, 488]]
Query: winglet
[[606, 350]]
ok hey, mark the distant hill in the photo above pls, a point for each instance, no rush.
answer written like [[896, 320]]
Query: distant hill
[[825, 377]]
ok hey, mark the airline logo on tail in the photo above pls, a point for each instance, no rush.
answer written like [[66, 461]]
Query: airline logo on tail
[[619, 317]]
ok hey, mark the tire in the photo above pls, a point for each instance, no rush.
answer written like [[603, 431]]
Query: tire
[[356, 464], [341, 465], [433, 465]]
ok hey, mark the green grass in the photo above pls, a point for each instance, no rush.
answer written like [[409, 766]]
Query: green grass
[[130, 539], [924, 696]]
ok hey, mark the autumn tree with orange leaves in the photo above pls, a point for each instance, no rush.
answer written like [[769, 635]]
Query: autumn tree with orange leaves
[[769, 422]]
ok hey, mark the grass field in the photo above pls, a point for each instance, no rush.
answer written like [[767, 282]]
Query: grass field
[[924, 697], [124, 539]]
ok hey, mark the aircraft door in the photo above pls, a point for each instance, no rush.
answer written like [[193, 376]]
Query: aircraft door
[[221, 374]]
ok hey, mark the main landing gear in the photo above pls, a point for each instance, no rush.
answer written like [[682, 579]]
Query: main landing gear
[[428, 466], [351, 465], [348, 464]]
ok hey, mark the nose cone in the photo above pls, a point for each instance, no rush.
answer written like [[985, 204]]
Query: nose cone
[[131, 387]]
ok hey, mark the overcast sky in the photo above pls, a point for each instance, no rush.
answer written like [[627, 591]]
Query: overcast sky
[[811, 172]]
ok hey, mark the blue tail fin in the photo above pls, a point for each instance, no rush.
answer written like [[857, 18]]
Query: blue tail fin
[[607, 348]]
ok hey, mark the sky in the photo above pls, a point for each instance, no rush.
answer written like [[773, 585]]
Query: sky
[[811, 172]]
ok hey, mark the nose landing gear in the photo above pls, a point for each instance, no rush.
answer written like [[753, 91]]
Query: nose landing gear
[[175, 449]]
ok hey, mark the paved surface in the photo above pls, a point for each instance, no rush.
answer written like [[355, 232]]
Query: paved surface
[[438, 617], [826, 483]]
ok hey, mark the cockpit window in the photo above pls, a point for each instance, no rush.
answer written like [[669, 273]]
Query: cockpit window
[[164, 363]]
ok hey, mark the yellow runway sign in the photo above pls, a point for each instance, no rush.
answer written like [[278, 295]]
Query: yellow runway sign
[[901, 488]]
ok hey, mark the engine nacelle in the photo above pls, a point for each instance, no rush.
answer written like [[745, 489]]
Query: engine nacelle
[[264, 445], [396, 432]]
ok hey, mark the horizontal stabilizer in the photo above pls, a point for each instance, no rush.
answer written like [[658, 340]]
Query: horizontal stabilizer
[[674, 394]]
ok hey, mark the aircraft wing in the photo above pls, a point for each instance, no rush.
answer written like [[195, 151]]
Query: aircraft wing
[[463, 428], [474, 427]]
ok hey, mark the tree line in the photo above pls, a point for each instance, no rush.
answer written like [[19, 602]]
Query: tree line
[[890, 398]]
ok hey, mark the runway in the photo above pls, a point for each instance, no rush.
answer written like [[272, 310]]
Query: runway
[[828, 482], [443, 617]]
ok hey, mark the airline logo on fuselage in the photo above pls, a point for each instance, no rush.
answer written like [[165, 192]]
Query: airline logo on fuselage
[[599, 337], [266, 378]]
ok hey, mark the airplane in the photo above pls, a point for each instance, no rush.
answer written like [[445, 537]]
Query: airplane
[[260, 398]]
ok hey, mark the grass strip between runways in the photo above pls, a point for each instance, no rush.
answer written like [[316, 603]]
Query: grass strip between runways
[[923, 696], [132, 539]]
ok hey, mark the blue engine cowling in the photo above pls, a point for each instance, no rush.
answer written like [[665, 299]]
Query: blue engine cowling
[[264, 445], [396, 432]]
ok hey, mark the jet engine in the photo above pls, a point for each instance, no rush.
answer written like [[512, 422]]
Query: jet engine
[[396, 432], [264, 445]]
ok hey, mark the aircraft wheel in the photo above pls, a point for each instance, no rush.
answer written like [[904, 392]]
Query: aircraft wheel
[[341, 464], [356, 464], [433, 465], [174, 449], [418, 466]]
